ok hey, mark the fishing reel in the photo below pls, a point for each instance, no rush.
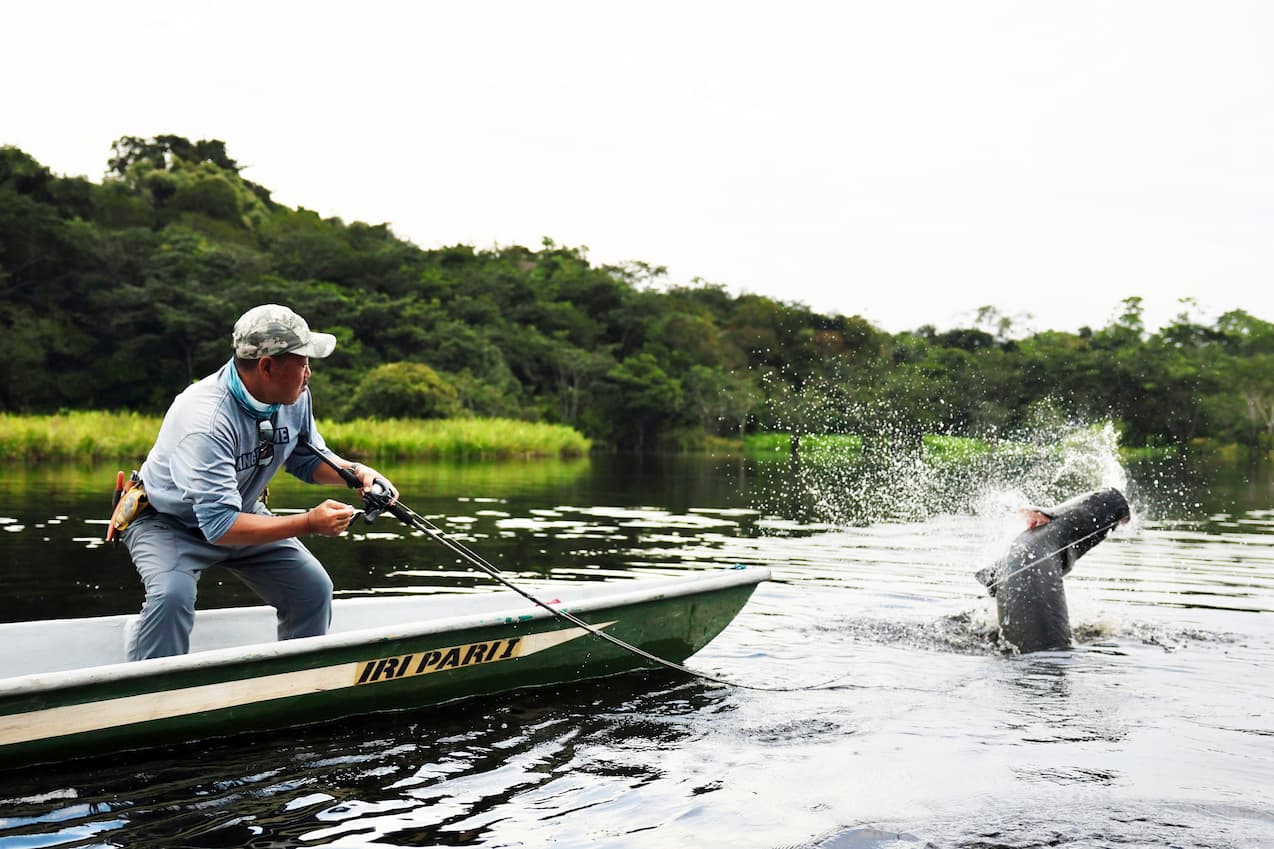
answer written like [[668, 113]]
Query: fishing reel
[[378, 498]]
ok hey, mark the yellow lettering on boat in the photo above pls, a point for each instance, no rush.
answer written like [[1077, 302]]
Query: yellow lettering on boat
[[140, 710], [457, 657], [453, 657]]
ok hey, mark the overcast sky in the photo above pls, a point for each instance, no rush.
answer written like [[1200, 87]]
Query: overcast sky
[[904, 161]]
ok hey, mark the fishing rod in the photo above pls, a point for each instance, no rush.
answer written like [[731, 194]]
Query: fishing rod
[[380, 498]]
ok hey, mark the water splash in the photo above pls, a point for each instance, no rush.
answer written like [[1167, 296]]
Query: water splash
[[889, 478], [975, 632]]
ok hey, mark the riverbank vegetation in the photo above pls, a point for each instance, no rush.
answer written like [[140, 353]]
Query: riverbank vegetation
[[127, 437], [114, 294]]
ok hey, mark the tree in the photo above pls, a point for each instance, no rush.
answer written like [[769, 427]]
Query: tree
[[1244, 383], [643, 399], [162, 151], [118, 294], [405, 391], [577, 371], [721, 399]]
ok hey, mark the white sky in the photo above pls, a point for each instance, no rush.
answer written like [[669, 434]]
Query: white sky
[[903, 161]]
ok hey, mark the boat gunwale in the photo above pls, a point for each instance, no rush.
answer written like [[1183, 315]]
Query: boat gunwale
[[649, 590]]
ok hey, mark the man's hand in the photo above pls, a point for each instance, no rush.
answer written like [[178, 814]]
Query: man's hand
[[369, 477], [331, 518]]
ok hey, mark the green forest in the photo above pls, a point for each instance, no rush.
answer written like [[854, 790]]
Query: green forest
[[116, 294]]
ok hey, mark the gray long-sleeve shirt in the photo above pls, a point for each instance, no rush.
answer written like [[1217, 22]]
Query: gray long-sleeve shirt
[[203, 468]]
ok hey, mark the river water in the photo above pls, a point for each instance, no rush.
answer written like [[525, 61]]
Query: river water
[[1156, 730]]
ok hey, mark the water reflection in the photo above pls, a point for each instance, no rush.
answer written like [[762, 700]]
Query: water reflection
[[1154, 731], [446, 777]]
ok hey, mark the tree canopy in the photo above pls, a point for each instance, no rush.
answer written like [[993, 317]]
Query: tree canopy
[[115, 294]]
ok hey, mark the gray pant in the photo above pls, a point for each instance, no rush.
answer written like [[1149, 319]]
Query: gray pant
[[170, 559]]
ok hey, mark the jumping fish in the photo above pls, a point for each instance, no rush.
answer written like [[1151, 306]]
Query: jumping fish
[[1030, 600]]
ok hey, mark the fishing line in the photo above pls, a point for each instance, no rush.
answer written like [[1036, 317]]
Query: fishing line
[[434, 532], [1039, 560], [381, 503]]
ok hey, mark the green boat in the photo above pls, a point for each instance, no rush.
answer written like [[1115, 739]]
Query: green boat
[[66, 690]]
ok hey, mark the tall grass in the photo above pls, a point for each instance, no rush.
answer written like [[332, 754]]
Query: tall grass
[[936, 448], [944, 448], [92, 436], [456, 439], [85, 436], [829, 446]]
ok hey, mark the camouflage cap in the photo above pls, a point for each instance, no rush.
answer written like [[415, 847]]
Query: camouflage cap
[[270, 330]]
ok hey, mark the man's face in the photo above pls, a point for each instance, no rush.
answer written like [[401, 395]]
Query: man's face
[[289, 375]]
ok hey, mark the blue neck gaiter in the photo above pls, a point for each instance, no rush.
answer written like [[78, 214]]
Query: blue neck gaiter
[[246, 401]]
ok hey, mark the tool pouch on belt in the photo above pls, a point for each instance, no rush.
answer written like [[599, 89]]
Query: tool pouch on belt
[[130, 501]]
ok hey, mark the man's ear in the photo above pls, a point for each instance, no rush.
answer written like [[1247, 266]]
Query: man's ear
[[265, 366]]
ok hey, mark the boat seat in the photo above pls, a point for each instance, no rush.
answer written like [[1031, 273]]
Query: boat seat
[[218, 629], [234, 626], [28, 648]]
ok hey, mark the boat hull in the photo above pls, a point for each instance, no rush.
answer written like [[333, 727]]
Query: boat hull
[[127, 706]]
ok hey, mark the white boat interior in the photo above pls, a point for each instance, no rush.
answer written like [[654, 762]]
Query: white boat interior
[[51, 646]]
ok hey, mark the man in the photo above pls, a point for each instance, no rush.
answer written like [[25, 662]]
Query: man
[[221, 442]]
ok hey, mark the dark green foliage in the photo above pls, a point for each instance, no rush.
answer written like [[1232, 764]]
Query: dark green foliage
[[640, 399], [116, 295], [405, 391]]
